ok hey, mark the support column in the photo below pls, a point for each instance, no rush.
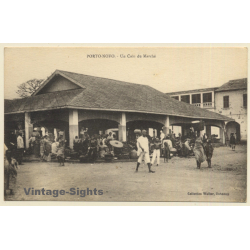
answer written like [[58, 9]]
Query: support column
[[122, 128], [208, 131], [213, 101], [222, 134], [166, 126], [73, 126], [201, 100], [28, 128]]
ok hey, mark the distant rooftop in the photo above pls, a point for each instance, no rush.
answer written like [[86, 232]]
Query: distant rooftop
[[233, 85], [228, 86]]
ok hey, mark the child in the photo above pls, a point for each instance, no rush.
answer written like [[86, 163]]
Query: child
[[208, 148], [166, 151]]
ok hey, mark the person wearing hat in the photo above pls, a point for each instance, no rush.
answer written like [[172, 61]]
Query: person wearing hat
[[209, 149], [143, 151], [157, 151]]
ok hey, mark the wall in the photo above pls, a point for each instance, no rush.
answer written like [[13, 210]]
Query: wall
[[58, 83], [235, 111], [145, 117], [91, 114]]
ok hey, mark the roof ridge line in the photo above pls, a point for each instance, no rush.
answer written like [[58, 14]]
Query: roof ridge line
[[132, 83]]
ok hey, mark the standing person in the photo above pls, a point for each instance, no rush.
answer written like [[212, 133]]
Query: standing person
[[60, 150], [20, 148], [172, 138], [157, 151], [76, 144], [37, 146], [209, 149], [232, 141], [143, 151], [54, 147], [167, 139], [110, 138], [170, 145], [47, 148], [31, 143], [166, 152], [42, 142], [93, 148], [162, 136], [198, 151]]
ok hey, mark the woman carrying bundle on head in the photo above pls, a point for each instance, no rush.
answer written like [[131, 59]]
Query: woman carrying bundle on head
[[199, 151]]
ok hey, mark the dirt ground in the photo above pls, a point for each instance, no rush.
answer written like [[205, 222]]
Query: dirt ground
[[177, 180]]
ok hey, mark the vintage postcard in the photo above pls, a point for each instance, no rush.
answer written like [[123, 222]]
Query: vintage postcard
[[125, 124]]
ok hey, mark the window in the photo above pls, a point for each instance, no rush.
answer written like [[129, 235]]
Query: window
[[226, 101], [185, 98], [207, 97], [176, 97], [196, 98], [245, 100]]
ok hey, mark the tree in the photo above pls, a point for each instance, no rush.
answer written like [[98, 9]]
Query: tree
[[28, 88]]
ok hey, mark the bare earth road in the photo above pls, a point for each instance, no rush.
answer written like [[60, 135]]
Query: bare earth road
[[178, 180]]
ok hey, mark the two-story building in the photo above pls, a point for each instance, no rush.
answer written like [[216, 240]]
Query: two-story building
[[230, 100]]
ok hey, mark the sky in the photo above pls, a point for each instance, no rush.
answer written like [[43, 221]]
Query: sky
[[168, 70]]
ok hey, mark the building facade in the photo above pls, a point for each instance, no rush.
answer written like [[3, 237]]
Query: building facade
[[229, 100]]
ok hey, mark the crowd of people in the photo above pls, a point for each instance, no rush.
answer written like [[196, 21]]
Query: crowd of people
[[96, 146], [45, 149], [200, 146], [89, 148]]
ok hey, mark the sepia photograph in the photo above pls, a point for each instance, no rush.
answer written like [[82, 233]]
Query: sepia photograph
[[125, 124]]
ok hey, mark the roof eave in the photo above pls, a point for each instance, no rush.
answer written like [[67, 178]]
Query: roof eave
[[119, 110]]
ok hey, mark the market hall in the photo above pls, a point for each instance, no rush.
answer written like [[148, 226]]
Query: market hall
[[71, 102]]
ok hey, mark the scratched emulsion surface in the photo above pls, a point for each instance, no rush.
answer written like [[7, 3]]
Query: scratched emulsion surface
[[119, 182]]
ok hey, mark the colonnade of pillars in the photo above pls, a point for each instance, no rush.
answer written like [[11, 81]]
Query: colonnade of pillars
[[74, 127], [122, 133]]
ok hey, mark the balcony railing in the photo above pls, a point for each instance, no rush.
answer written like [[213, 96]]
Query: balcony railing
[[197, 104], [203, 105], [207, 104]]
